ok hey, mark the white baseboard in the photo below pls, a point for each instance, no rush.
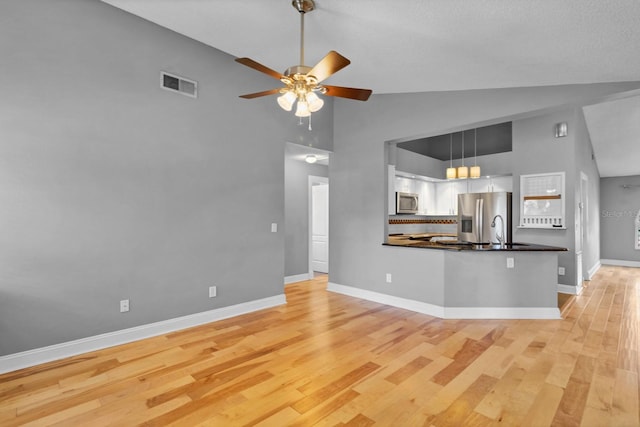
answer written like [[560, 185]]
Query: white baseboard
[[38, 356], [502, 313], [448, 312], [297, 278], [569, 289], [593, 270], [621, 263], [417, 306]]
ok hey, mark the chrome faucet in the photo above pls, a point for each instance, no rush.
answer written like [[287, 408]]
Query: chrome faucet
[[499, 235]]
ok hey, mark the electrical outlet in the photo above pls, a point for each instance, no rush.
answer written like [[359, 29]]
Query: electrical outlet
[[124, 306], [213, 291], [510, 263], [561, 271], [388, 278]]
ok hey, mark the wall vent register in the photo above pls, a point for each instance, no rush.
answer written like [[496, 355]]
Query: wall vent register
[[179, 84]]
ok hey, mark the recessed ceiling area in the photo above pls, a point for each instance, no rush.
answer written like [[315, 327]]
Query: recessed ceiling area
[[484, 141]]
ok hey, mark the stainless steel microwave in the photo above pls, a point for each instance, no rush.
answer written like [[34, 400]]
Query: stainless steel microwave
[[406, 203]]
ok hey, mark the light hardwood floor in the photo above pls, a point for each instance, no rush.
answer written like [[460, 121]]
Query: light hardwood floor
[[329, 359]]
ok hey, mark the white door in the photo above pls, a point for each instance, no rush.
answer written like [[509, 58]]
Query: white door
[[320, 228]]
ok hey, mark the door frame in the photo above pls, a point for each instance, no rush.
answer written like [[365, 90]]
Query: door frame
[[313, 180]]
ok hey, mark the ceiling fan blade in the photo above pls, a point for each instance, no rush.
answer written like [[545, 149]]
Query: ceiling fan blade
[[259, 94], [348, 92], [330, 64], [259, 67]]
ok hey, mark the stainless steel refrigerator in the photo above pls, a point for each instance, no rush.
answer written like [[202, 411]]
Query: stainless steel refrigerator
[[484, 217]]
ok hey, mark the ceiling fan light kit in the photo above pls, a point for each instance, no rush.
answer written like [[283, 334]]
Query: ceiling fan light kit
[[302, 83]]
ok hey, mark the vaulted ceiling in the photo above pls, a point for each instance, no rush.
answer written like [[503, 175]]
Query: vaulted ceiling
[[404, 46]]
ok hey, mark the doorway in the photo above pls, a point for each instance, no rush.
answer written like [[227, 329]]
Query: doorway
[[318, 225], [583, 273]]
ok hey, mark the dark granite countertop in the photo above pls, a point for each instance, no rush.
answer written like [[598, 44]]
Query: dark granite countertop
[[460, 246]]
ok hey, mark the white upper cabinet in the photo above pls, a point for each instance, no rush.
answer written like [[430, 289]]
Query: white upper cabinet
[[492, 184], [502, 183], [447, 196]]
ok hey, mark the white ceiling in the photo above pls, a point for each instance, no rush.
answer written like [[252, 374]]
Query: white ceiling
[[398, 46]]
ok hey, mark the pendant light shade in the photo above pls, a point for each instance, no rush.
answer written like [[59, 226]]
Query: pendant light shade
[[451, 171], [475, 169], [463, 171]]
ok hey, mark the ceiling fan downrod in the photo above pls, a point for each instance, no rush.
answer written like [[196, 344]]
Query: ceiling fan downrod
[[302, 6]]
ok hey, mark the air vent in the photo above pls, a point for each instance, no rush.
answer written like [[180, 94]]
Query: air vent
[[179, 84]]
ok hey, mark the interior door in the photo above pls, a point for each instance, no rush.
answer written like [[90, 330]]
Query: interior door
[[320, 228]]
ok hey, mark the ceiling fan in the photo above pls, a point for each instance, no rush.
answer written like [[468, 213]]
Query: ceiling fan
[[302, 82]]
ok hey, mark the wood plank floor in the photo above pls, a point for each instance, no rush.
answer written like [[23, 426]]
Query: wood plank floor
[[332, 360]]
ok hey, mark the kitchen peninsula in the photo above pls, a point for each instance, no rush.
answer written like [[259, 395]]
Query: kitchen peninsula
[[513, 281]]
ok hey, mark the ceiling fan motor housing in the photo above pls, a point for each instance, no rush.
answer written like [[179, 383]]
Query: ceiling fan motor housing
[[297, 69]]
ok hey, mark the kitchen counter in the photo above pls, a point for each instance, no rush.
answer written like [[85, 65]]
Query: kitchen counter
[[517, 281], [433, 242]]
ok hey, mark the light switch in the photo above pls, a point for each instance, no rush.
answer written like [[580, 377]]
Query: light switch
[[510, 263], [274, 227]]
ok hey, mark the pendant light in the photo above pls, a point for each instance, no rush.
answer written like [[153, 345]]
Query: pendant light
[[463, 171], [475, 169], [451, 171]]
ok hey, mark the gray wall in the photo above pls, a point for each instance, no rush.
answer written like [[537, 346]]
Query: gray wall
[[586, 163], [113, 188], [296, 218], [358, 169], [526, 285], [618, 209], [536, 150]]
